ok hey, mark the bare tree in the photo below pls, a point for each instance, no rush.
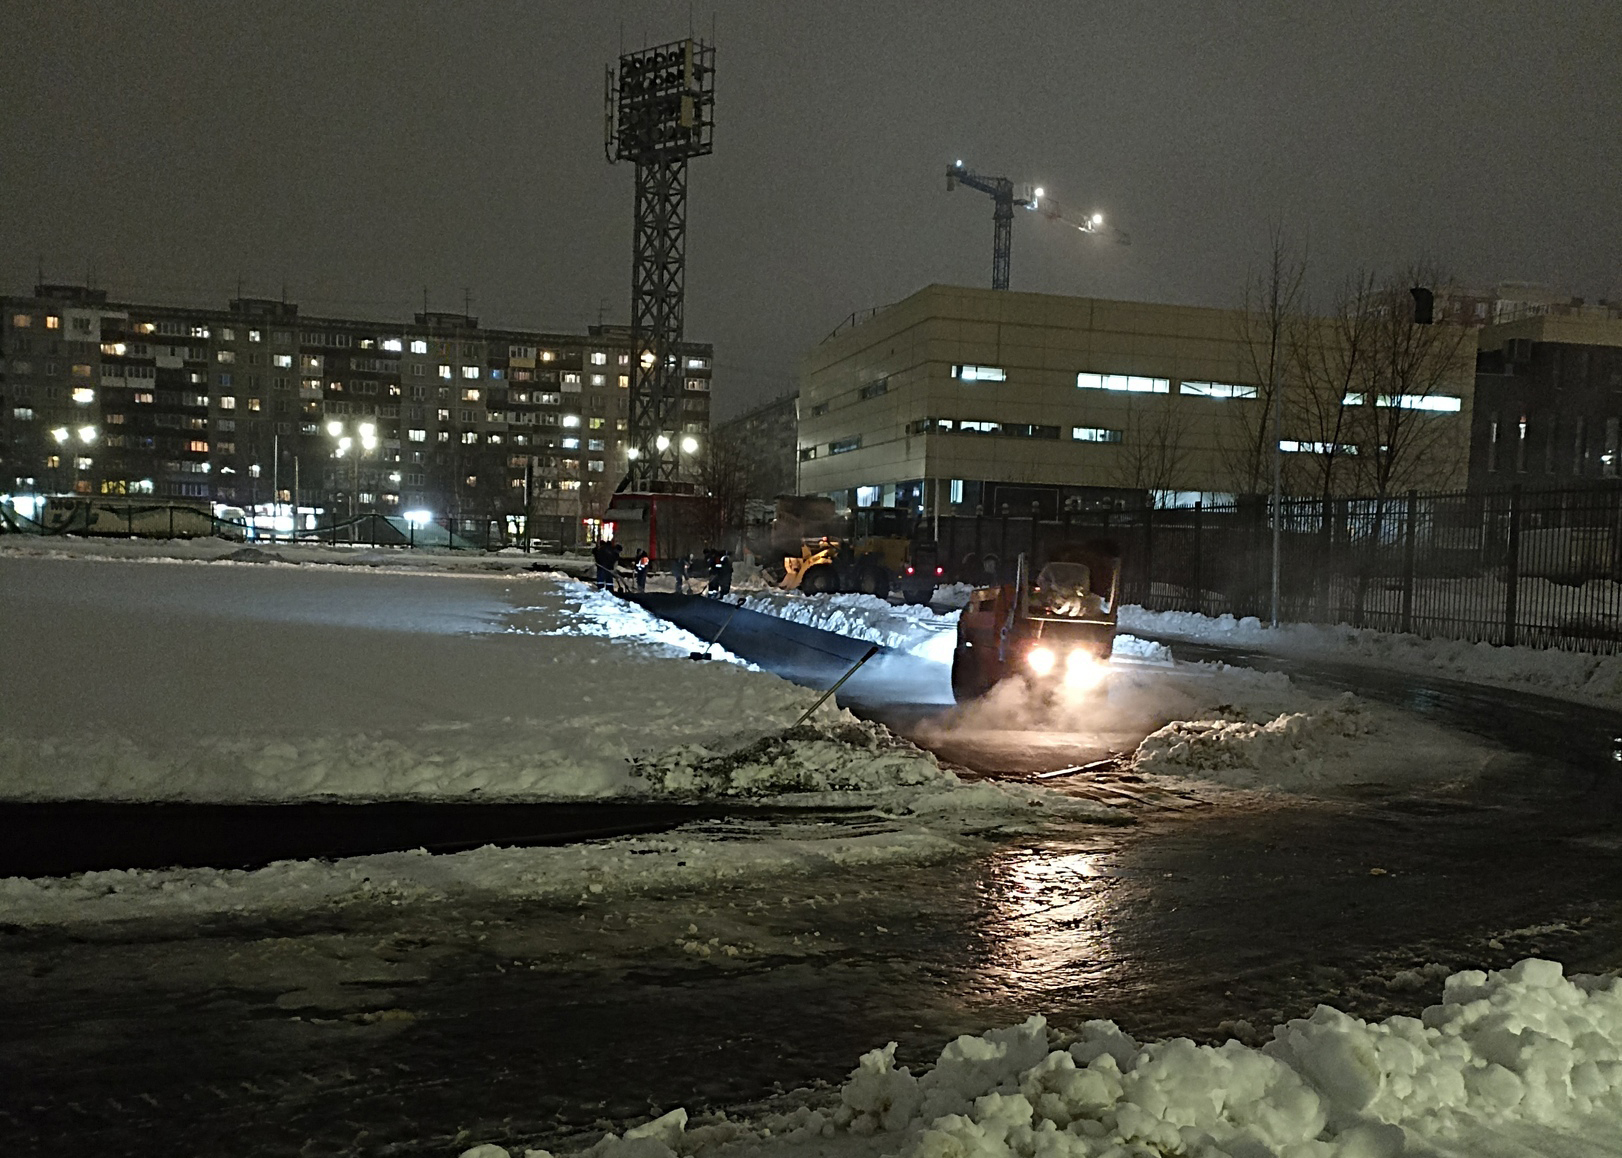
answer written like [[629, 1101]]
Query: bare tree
[[725, 472], [1154, 449], [1269, 325], [1329, 358], [1403, 439]]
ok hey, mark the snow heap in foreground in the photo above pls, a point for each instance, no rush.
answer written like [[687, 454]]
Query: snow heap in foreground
[[1523, 1061], [1563, 674]]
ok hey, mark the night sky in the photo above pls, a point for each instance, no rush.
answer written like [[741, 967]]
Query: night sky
[[359, 152]]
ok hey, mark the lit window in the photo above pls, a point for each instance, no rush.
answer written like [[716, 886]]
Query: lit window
[[570, 378], [418, 346], [444, 436], [1094, 434], [24, 413], [807, 453], [1291, 446], [225, 355], [470, 396], [867, 496], [1435, 403], [698, 363], [625, 381], [442, 414], [52, 322], [598, 358], [845, 445], [445, 373], [1124, 383], [469, 437], [197, 446], [571, 420], [548, 355], [570, 444], [595, 465], [199, 332], [253, 404], [22, 321], [255, 336], [81, 463], [282, 361], [597, 423], [84, 396], [227, 401], [1216, 390], [954, 491], [599, 380], [594, 444], [976, 426], [417, 435], [569, 484], [143, 396], [979, 373], [470, 371]]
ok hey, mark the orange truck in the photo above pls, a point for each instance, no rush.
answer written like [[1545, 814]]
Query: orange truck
[[1053, 629]]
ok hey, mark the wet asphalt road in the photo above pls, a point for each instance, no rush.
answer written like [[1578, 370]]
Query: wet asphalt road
[[420, 1030]]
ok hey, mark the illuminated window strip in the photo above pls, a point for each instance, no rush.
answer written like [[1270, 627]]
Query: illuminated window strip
[[1123, 383], [1216, 390]]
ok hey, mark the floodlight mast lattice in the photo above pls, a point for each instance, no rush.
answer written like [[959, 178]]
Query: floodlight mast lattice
[[658, 114]]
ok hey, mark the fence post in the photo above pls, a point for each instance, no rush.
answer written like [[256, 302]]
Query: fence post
[[129, 518], [1411, 523], [1148, 553], [1199, 578], [1512, 567], [411, 533], [171, 520], [374, 530]]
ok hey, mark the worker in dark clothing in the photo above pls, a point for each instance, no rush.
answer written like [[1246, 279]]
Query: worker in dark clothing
[[678, 572], [639, 568], [607, 557], [720, 573]]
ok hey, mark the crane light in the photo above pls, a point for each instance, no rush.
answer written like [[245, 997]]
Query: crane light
[[1040, 192], [689, 444], [662, 442], [1098, 219], [632, 453]]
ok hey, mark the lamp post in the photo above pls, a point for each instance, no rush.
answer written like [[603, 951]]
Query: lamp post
[[366, 433]]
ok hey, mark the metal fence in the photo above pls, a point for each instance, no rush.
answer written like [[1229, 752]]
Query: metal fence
[[1534, 568]]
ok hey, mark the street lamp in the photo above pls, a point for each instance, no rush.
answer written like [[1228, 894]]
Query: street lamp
[[367, 434], [662, 442]]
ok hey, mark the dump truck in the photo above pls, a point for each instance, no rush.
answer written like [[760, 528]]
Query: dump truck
[[876, 550], [1054, 628]]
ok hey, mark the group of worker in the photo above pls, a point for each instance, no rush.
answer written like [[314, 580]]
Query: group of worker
[[715, 571]]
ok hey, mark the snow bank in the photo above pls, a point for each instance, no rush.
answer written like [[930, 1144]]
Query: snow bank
[[903, 627], [1520, 1061], [1563, 674], [678, 861]]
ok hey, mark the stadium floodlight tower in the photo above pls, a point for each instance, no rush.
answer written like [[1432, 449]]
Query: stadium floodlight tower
[[658, 114]]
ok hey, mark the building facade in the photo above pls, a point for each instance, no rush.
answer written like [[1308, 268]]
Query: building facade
[[764, 439], [257, 405], [1549, 399], [964, 400]]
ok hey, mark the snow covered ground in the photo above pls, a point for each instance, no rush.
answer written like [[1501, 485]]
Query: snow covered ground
[[1522, 1061], [1208, 722], [1568, 675]]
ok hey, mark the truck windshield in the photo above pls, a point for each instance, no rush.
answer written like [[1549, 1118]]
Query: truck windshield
[[1064, 589]]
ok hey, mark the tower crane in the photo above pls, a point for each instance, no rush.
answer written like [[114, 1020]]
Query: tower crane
[[1004, 198]]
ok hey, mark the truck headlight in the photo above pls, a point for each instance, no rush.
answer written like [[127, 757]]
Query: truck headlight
[[1041, 660], [1082, 670]]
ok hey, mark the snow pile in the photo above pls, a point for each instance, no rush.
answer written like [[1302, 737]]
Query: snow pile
[[1564, 674], [1519, 1061], [1294, 749], [682, 860], [853, 756], [902, 627]]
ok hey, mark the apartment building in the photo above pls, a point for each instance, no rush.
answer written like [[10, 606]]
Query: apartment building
[[258, 404], [961, 400]]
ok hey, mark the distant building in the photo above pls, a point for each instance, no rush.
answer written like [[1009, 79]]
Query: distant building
[[250, 405], [1549, 398], [963, 400], [765, 438]]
